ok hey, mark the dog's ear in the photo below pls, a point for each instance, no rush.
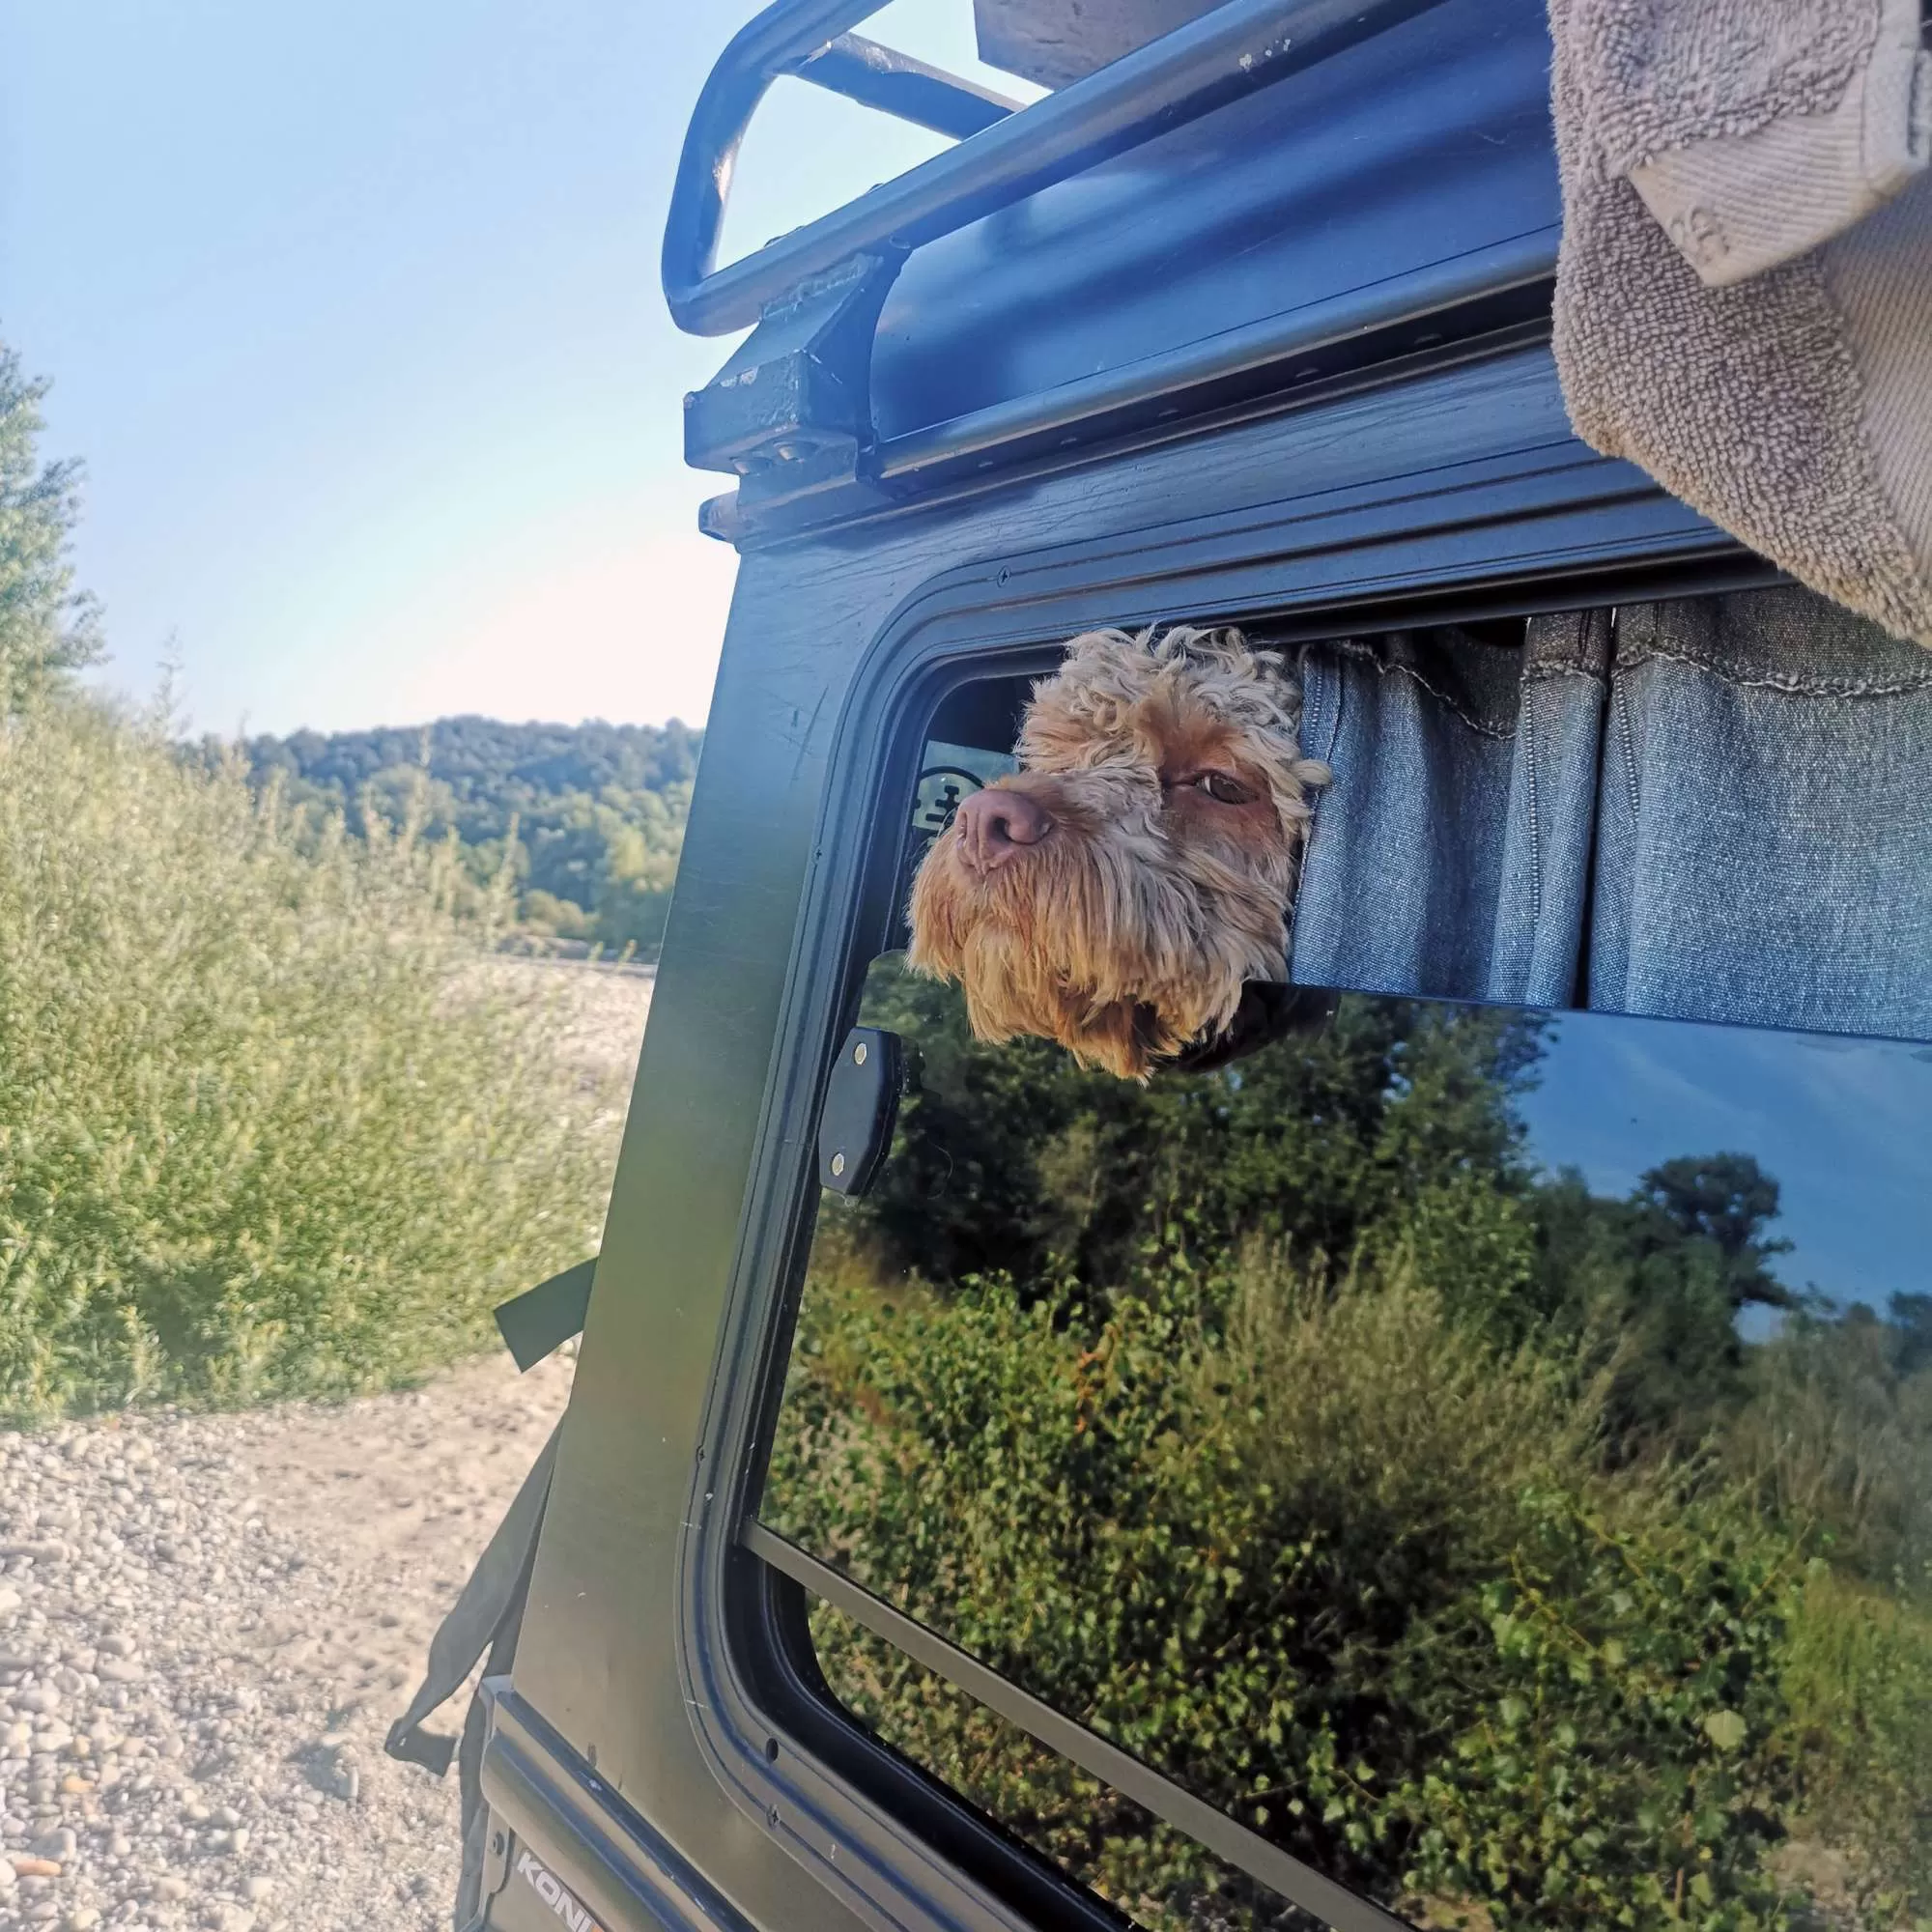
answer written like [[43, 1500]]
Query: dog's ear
[[1268, 1012]]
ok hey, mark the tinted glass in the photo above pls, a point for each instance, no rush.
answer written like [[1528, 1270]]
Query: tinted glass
[[1097, 1837], [1489, 1455]]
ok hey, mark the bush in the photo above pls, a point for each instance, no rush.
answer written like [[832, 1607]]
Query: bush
[[1165, 1881], [1858, 1679], [1427, 1512], [1329, 1558], [266, 1126], [1608, 1707]]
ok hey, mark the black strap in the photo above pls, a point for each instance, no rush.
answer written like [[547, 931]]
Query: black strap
[[493, 1596], [543, 1318]]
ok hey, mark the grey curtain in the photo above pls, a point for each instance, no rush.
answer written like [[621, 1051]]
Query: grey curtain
[[1714, 808]]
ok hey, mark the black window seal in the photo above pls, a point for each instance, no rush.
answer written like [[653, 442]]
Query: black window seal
[[1547, 528], [775, 1609]]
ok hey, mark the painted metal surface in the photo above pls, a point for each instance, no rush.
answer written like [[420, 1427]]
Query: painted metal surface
[[1422, 145], [1242, 48], [1392, 198]]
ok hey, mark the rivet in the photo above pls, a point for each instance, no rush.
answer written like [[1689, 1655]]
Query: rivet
[[859, 1054], [838, 1164]]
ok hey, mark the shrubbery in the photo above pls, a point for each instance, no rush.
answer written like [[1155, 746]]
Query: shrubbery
[[1423, 1512], [268, 1124]]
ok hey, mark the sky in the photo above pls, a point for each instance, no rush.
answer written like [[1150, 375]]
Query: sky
[[1844, 1126], [352, 314]]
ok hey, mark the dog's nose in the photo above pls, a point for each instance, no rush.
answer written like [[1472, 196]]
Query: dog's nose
[[995, 824]]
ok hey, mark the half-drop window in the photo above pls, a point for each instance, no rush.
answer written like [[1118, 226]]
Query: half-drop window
[[1456, 1463]]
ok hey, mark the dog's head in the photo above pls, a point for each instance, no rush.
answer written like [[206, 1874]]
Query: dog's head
[[1119, 890]]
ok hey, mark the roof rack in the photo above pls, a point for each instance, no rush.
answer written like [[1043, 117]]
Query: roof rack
[[1004, 152]]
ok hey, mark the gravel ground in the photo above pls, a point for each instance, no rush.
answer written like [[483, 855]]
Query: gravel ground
[[208, 1623]]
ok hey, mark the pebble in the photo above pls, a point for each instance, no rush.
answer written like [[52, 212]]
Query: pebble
[[188, 1734]]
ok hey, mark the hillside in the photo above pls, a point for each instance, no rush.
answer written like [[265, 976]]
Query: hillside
[[596, 810]]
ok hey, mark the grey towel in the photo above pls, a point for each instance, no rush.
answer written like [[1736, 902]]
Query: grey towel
[[1743, 300]]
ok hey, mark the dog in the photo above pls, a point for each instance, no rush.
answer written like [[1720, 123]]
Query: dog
[[1123, 887]]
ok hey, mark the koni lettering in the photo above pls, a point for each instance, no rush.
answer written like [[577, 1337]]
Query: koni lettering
[[545, 1884]]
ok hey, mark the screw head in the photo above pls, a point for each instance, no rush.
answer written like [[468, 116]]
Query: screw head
[[859, 1054], [838, 1164]]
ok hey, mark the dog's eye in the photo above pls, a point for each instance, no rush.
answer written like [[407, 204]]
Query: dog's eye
[[1228, 790]]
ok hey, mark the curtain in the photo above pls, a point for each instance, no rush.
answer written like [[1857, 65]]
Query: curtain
[[1716, 808]]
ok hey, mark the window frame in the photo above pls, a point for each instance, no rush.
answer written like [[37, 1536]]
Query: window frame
[[1545, 529]]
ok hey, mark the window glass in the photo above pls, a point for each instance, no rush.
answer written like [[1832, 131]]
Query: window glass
[[1156, 1875], [1488, 1454]]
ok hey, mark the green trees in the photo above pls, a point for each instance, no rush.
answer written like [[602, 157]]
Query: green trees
[[46, 627], [1011, 1157], [587, 821]]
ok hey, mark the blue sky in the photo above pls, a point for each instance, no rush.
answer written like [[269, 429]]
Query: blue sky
[[353, 315], [1844, 1126]]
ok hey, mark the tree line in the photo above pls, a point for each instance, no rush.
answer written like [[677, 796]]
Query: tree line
[[583, 823]]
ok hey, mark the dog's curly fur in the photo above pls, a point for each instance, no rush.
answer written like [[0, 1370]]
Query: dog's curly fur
[[1168, 771]]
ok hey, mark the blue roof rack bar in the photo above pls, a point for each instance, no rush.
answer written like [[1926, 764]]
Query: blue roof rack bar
[[1240, 47], [883, 77]]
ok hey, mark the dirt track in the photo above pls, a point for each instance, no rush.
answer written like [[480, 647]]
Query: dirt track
[[206, 1625]]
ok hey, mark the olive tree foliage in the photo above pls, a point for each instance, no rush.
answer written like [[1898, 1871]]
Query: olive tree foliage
[[47, 628]]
